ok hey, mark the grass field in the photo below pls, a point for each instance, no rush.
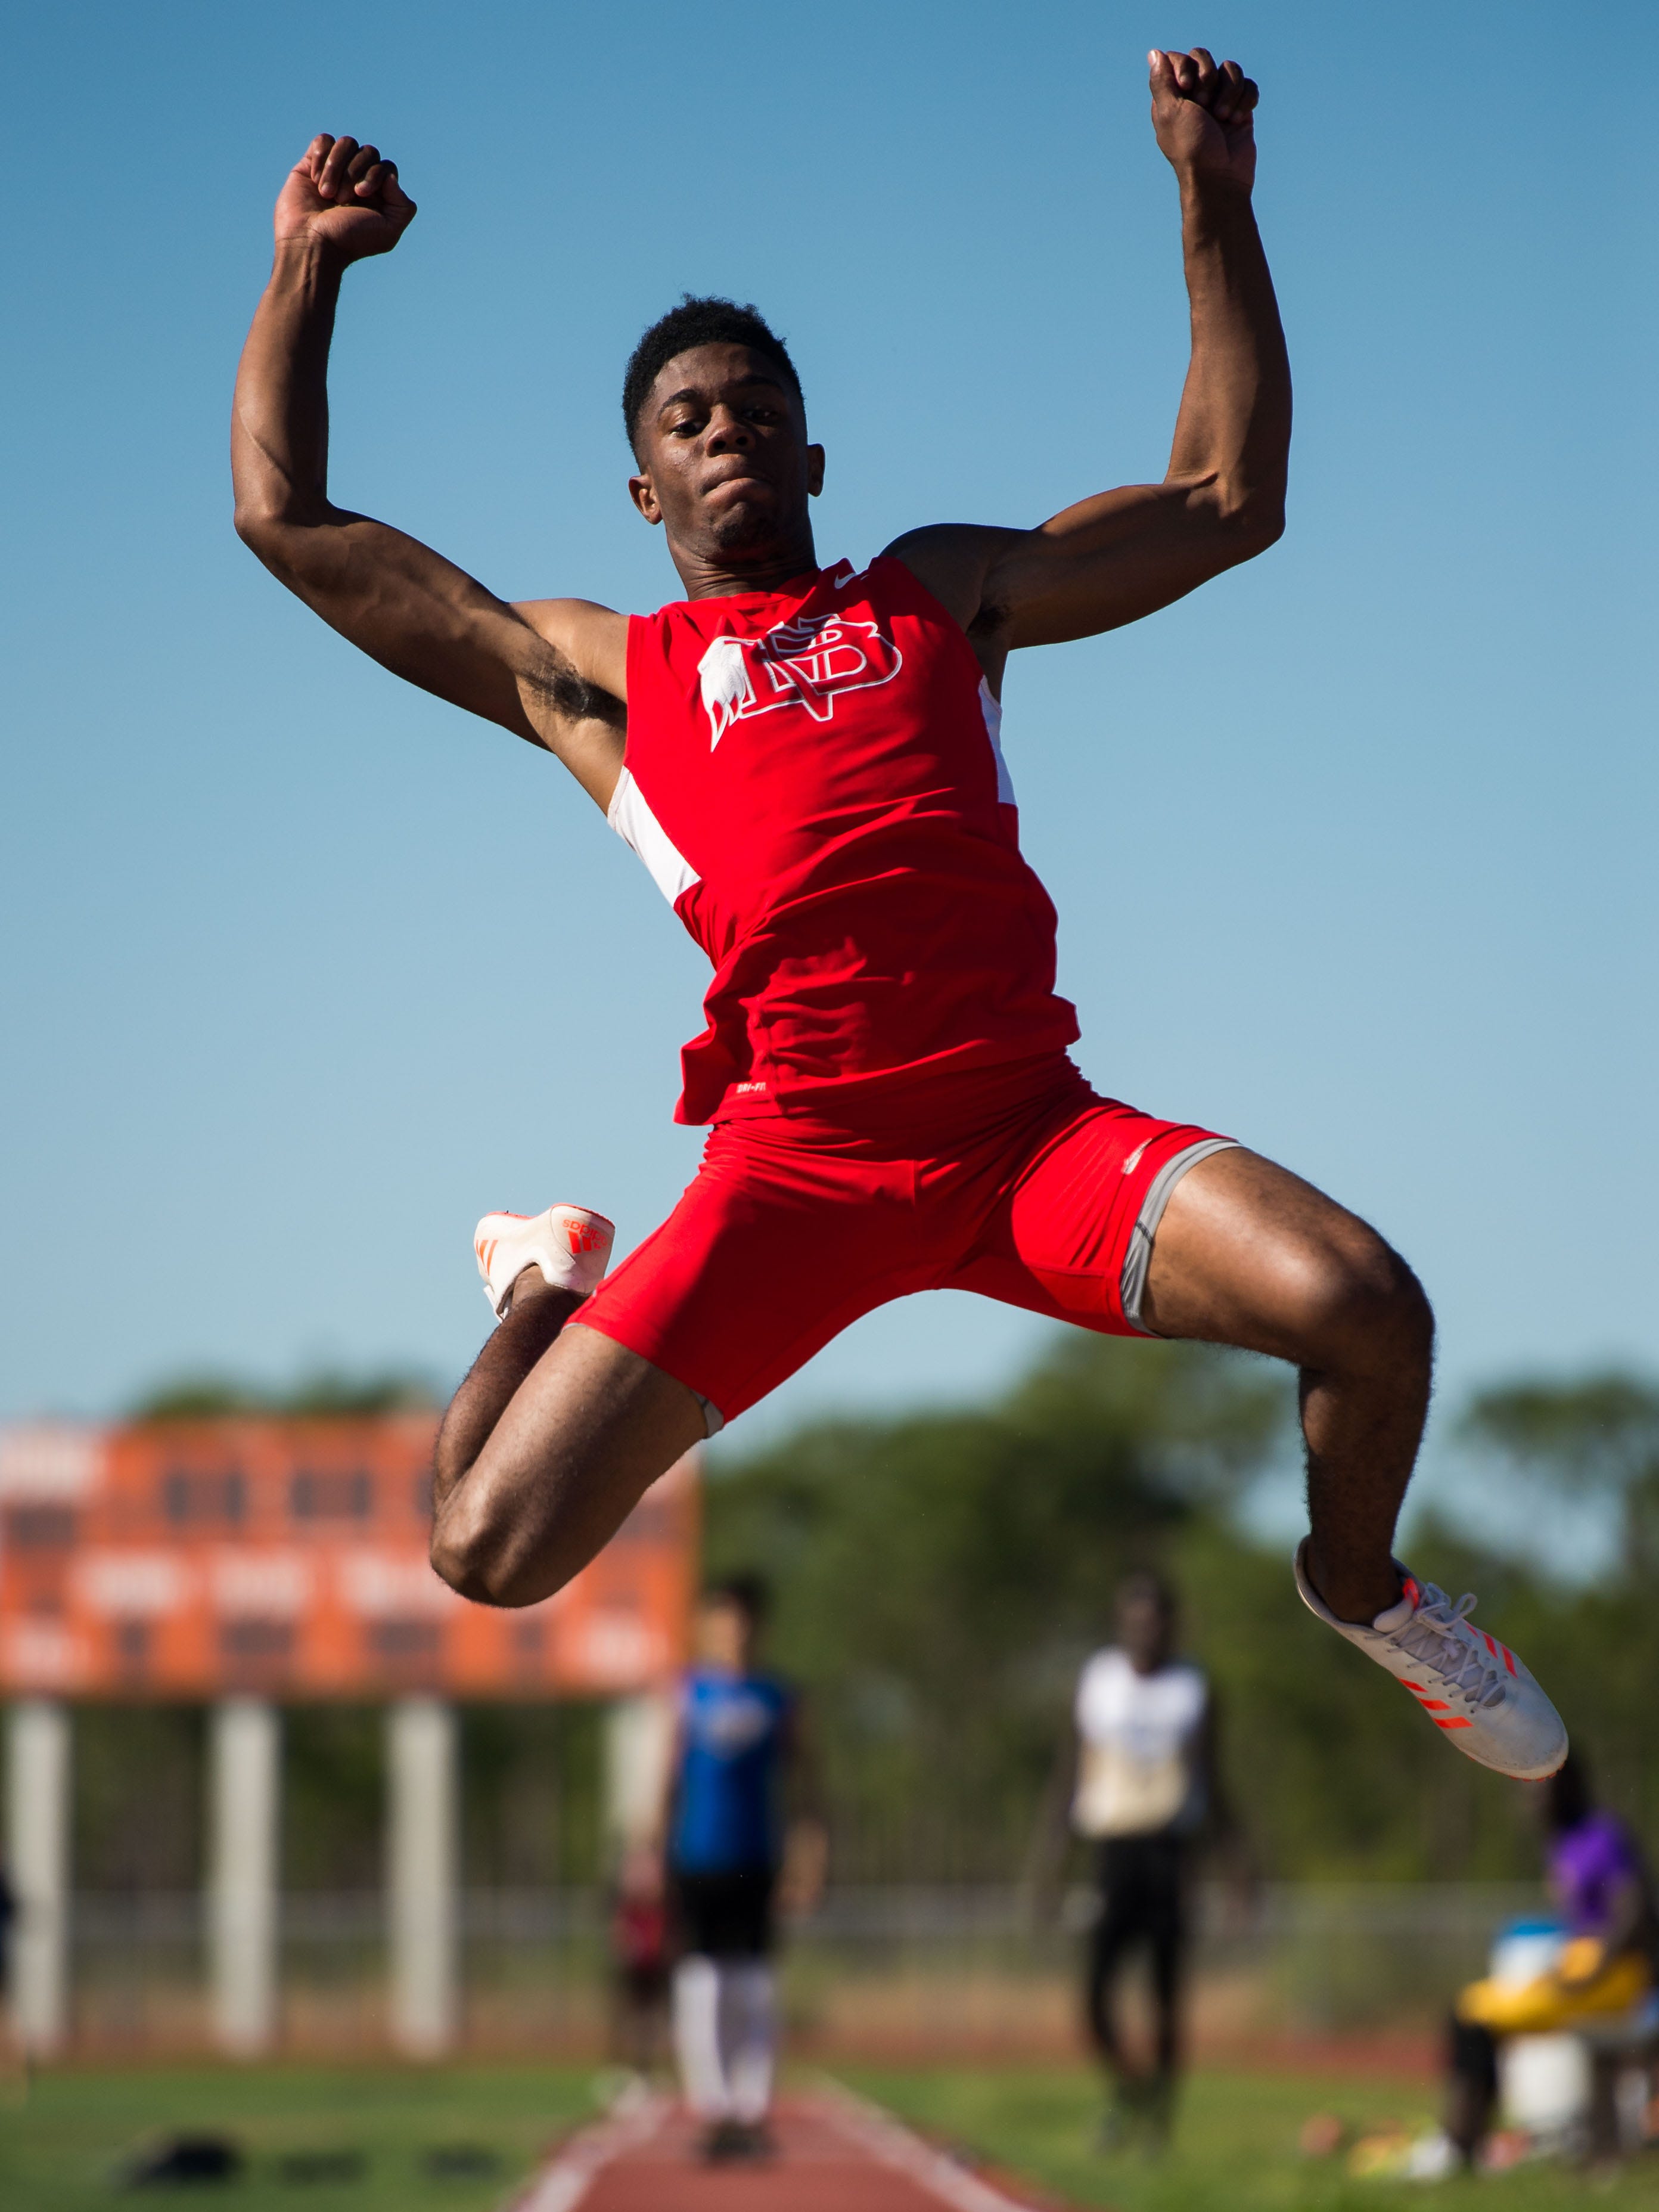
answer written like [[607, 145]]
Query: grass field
[[1236, 2151], [59, 2151]]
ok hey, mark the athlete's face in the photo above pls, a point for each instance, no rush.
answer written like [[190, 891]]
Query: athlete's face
[[1144, 1632], [725, 1636], [724, 463]]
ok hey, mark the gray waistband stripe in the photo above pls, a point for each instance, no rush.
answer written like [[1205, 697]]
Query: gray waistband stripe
[[1138, 1258], [714, 1419]]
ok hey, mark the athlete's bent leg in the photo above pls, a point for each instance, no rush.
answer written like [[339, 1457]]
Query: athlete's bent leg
[[1248, 1255], [548, 1445], [536, 1317]]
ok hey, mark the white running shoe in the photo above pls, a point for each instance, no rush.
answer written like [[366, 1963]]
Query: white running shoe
[[570, 1246], [1470, 1685]]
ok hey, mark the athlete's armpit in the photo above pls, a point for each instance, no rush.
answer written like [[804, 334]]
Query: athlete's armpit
[[563, 691], [953, 559], [576, 700], [582, 727]]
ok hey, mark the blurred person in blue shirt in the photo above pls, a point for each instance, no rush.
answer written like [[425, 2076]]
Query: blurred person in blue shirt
[[743, 1840]]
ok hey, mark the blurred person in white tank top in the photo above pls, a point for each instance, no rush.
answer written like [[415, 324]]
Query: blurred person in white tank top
[[1143, 1790]]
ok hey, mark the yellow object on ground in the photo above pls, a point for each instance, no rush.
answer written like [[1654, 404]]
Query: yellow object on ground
[[1579, 1990]]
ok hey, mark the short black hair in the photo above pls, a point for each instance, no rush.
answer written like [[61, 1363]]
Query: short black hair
[[705, 320], [1570, 1795], [1145, 1585], [748, 1592]]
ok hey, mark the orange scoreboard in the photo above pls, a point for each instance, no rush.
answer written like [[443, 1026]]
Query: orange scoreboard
[[288, 1558]]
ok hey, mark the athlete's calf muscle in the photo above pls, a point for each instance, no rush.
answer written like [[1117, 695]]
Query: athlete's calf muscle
[[1248, 1255], [581, 1439]]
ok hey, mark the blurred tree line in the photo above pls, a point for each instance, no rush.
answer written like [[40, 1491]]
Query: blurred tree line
[[939, 1578]]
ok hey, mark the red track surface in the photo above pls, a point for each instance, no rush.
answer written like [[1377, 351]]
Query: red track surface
[[833, 2155]]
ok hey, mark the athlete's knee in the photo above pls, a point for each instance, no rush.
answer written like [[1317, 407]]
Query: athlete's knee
[[468, 1544], [490, 1551], [476, 1554], [1360, 1304]]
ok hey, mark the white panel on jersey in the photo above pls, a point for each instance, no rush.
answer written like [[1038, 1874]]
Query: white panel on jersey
[[1138, 1736], [636, 825], [993, 713]]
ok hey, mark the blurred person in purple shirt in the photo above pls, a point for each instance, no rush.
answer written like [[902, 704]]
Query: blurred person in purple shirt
[[1597, 1876], [1603, 1895]]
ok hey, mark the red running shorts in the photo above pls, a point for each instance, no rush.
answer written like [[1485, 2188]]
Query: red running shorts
[[1017, 1181]]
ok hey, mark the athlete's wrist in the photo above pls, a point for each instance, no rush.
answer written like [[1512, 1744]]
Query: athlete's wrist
[[1214, 217], [307, 262], [1207, 191]]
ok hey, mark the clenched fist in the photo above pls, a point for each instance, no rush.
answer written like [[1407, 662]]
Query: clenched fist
[[344, 195], [1202, 115]]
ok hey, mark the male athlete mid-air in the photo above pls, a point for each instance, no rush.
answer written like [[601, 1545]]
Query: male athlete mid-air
[[807, 760]]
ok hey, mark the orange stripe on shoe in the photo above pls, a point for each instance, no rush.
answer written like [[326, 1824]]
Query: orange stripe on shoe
[[1437, 1704], [1509, 1657], [1454, 1724], [1491, 1646], [1416, 1688]]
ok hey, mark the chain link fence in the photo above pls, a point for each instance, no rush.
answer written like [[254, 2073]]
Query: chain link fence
[[907, 1969]]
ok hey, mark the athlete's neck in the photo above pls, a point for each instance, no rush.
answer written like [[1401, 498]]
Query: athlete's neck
[[714, 574]]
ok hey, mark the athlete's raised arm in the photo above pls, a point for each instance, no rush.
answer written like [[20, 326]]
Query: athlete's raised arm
[[554, 673], [1122, 554]]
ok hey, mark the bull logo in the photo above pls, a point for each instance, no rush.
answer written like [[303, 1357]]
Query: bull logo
[[808, 661]]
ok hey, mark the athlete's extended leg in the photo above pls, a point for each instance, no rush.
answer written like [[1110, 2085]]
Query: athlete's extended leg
[[1248, 1255], [549, 1444]]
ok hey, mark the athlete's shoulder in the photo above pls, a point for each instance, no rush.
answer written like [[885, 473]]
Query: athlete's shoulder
[[1099, 1676], [951, 560], [592, 638]]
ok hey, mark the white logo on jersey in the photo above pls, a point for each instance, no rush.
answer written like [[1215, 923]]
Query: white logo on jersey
[[807, 661], [727, 689], [734, 1726]]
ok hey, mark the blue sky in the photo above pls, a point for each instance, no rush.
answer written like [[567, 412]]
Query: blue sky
[[1354, 851]]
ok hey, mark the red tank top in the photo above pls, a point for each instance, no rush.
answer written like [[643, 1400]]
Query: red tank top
[[815, 780]]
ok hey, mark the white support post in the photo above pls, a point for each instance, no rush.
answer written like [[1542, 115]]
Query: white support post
[[420, 1874], [245, 1788], [37, 1747], [639, 1745]]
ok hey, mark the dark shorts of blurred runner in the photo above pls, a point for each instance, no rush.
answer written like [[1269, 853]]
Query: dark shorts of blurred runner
[[726, 1915]]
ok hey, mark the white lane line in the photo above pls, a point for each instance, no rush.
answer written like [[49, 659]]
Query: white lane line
[[566, 2180], [882, 2137]]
